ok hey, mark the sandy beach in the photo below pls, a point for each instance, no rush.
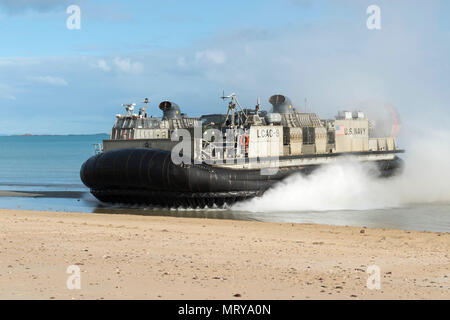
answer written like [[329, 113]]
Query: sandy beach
[[143, 257]]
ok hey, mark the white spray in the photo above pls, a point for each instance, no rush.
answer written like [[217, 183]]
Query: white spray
[[347, 185]]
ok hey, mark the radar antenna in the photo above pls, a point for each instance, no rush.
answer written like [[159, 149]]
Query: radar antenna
[[129, 107]]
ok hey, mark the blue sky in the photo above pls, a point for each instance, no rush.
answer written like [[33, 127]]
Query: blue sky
[[55, 80]]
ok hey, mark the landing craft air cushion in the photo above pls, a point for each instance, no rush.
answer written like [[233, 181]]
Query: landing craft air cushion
[[219, 159]]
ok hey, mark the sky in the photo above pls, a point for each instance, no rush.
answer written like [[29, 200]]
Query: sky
[[54, 80]]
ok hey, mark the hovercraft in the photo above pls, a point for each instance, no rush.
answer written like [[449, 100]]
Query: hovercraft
[[220, 159]]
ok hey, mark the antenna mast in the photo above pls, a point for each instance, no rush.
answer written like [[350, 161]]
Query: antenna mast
[[232, 106], [143, 110]]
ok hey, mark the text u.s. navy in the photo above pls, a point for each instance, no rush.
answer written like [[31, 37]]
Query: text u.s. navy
[[354, 131], [227, 309]]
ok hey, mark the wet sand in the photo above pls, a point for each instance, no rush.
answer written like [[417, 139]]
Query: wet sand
[[142, 257], [42, 194]]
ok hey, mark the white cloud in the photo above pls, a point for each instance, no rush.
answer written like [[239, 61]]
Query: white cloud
[[124, 65], [7, 96], [5, 63], [102, 65], [6, 92], [127, 66], [214, 56], [55, 81], [18, 61], [181, 62], [14, 6]]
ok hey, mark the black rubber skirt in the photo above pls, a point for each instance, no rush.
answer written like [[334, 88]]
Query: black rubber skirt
[[149, 177]]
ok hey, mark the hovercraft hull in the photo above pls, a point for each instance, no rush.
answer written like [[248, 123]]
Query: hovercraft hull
[[149, 177]]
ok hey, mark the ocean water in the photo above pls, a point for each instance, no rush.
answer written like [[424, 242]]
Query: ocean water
[[45, 160], [42, 173]]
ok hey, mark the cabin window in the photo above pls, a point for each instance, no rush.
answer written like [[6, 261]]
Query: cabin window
[[331, 137], [119, 123], [309, 135]]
